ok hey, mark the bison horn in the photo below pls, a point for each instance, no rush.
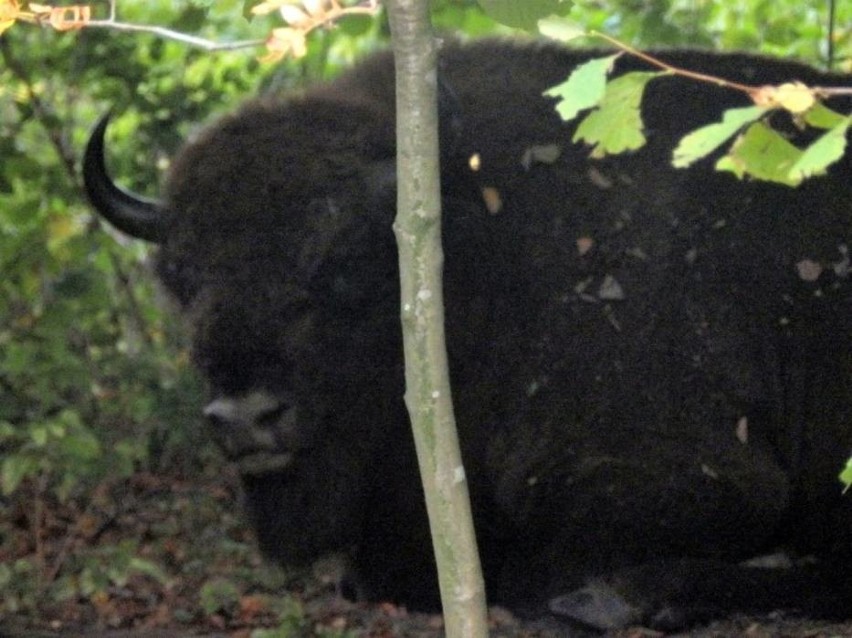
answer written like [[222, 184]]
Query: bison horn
[[137, 216]]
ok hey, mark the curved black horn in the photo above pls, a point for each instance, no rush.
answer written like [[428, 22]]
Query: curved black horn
[[137, 216]]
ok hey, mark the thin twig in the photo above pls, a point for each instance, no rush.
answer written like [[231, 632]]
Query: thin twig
[[822, 91], [701, 77], [201, 43], [827, 91], [208, 45]]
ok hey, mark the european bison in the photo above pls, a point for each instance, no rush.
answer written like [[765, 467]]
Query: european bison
[[652, 368]]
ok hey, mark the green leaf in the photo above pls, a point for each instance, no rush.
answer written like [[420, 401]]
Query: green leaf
[[524, 14], [356, 25], [15, 469], [18, 358], [703, 141], [148, 568], [83, 445], [8, 432], [762, 153], [825, 151], [67, 483], [218, 595], [248, 5], [561, 29], [584, 88], [617, 125], [39, 434], [820, 116], [845, 476]]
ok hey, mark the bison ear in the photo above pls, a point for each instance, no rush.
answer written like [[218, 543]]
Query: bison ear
[[381, 177]]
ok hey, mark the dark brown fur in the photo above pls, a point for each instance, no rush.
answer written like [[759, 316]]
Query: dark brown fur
[[651, 441]]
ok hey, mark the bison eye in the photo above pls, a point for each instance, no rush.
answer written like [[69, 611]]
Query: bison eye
[[342, 283], [179, 278]]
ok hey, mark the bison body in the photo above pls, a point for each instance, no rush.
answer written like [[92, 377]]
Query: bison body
[[652, 368]]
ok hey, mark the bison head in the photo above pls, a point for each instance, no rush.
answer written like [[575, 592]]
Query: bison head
[[272, 238]]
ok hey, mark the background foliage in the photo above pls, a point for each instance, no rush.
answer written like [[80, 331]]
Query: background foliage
[[95, 385]]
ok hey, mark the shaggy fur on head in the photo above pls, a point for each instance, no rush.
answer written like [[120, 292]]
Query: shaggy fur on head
[[652, 368]]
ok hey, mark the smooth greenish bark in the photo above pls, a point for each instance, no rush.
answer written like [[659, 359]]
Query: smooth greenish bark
[[418, 233]]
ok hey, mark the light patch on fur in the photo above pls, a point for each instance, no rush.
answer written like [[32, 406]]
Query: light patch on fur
[[584, 245], [742, 430], [709, 471], [540, 154], [599, 179], [610, 289], [808, 270], [493, 200]]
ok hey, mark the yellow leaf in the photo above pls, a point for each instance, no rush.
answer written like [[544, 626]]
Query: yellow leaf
[[795, 97], [69, 18], [9, 9], [294, 15], [314, 7], [268, 6], [284, 42], [60, 228], [9, 12], [263, 8], [792, 96]]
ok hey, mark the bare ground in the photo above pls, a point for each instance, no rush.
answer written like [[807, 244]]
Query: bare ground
[[169, 557]]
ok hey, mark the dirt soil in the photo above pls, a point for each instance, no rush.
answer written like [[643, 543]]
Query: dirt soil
[[169, 557]]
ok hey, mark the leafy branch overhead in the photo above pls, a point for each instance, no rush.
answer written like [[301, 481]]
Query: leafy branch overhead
[[303, 17], [614, 124]]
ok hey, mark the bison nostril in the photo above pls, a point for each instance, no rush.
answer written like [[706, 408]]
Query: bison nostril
[[220, 412], [270, 417], [216, 421]]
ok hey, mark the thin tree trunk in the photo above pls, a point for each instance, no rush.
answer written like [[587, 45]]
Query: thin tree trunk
[[418, 234]]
